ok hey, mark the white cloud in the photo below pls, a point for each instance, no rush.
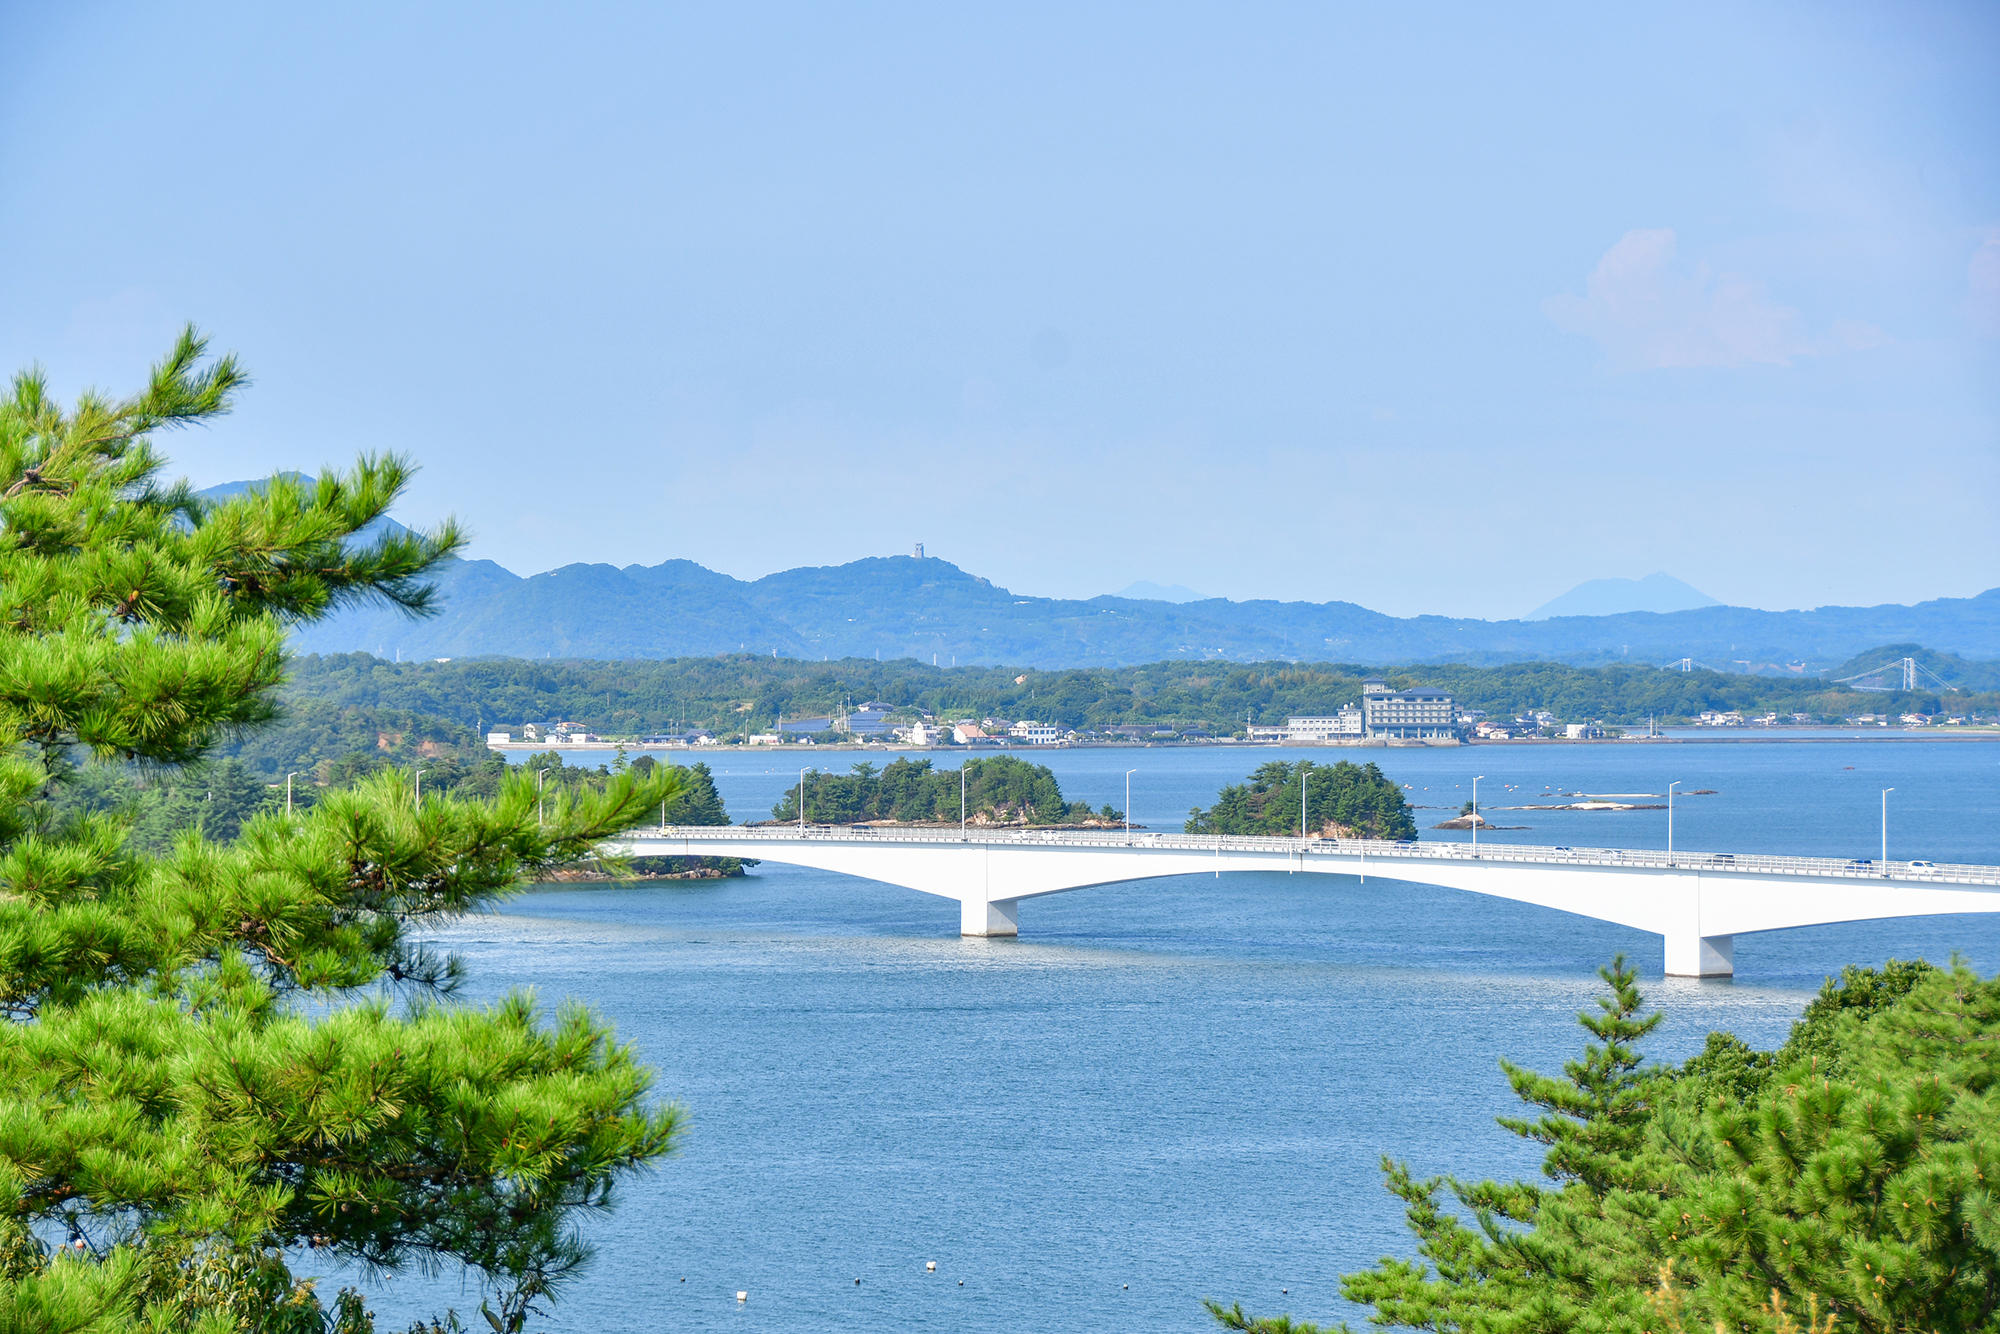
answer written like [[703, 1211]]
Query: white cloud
[[1650, 312], [1983, 278]]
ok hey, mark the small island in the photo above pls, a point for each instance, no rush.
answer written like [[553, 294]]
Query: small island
[[1344, 800], [997, 792]]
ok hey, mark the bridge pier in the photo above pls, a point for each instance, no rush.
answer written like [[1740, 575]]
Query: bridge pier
[[989, 917], [1692, 955]]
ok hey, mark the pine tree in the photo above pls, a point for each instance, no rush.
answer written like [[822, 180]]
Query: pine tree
[[1845, 1181], [233, 1052], [1344, 799]]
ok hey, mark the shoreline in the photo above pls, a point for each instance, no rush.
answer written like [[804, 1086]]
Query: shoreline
[[1725, 736]]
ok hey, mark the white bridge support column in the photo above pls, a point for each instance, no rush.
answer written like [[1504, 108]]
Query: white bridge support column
[[1693, 955], [989, 917], [1694, 948]]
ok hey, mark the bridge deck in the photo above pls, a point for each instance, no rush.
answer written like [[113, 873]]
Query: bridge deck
[[1520, 854]]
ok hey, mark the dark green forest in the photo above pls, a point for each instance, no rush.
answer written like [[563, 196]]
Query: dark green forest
[[997, 790], [1343, 800], [739, 693]]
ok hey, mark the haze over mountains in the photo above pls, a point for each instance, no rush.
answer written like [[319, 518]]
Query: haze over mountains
[[1609, 597], [925, 608], [1147, 591]]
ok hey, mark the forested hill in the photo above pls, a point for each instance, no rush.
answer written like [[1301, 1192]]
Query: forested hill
[[743, 692], [906, 607]]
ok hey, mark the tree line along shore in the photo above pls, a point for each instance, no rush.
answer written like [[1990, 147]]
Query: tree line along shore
[[736, 696]]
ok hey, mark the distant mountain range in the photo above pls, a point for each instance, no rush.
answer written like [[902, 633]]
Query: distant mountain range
[[907, 607], [925, 608], [1610, 597], [1147, 591]]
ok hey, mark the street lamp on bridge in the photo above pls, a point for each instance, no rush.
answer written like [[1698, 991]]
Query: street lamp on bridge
[[1475, 813], [1128, 804], [1670, 820], [1885, 829]]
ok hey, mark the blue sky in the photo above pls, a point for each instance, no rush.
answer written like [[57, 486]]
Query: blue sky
[[1432, 309]]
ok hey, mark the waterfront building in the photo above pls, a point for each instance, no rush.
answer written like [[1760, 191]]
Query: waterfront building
[[1419, 714], [1034, 733], [1343, 726], [868, 720], [1422, 713]]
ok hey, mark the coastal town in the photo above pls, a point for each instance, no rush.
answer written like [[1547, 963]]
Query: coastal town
[[1381, 716]]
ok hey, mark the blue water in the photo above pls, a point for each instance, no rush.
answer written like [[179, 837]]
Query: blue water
[[1160, 1091]]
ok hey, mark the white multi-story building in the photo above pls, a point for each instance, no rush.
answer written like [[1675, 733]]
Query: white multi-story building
[[1423, 713], [1034, 733], [1343, 726]]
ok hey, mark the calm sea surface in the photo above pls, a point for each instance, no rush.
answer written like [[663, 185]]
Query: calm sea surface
[[1161, 1091]]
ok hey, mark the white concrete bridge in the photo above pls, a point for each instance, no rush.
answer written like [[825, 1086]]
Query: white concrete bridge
[[1699, 902]]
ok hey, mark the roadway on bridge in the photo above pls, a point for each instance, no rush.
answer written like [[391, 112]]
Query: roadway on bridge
[[1696, 901]]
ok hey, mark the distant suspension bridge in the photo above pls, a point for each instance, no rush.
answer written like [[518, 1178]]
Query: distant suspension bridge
[[1904, 674]]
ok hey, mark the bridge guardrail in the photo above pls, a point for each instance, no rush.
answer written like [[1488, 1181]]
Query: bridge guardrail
[[1946, 873]]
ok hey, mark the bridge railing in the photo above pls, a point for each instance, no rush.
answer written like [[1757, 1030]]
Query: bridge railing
[[1358, 848]]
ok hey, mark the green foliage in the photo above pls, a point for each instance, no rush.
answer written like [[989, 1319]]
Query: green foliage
[[998, 790], [1815, 1041], [227, 1042], [1343, 800], [737, 693], [1847, 1178], [696, 803]]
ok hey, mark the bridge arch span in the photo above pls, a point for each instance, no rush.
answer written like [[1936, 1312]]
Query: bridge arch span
[[1696, 902]]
